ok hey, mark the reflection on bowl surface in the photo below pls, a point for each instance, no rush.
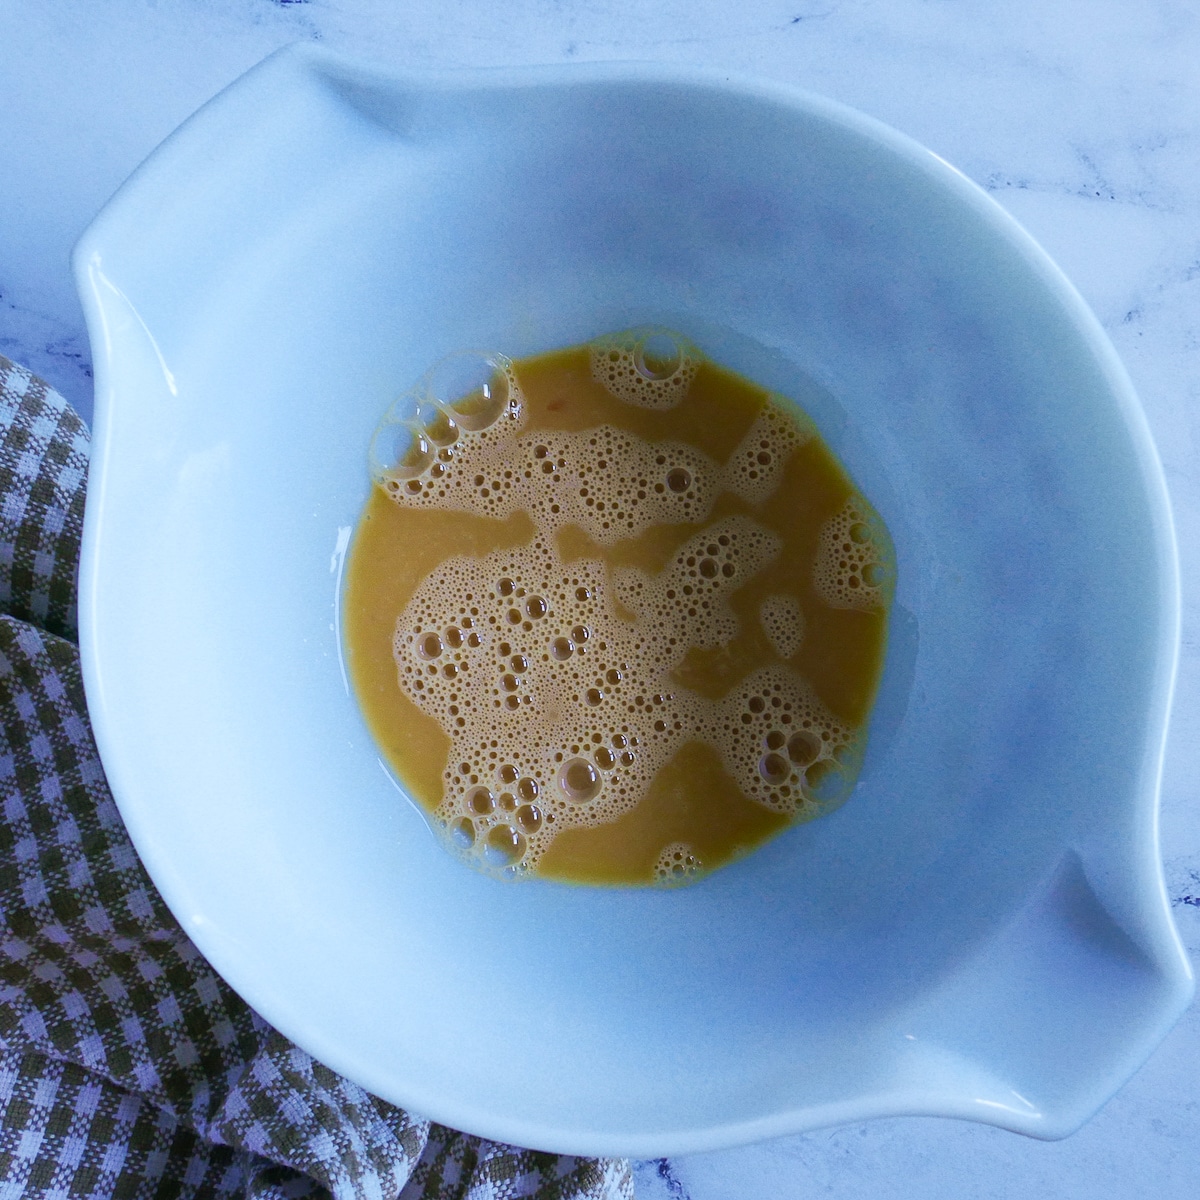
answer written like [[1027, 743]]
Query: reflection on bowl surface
[[980, 932]]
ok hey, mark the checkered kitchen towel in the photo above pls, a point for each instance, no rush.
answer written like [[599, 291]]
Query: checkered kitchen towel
[[127, 1067]]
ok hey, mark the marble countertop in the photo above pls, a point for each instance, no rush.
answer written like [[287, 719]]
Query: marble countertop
[[1082, 117]]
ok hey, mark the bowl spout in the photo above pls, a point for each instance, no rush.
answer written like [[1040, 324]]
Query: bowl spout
[[1051, 1016]]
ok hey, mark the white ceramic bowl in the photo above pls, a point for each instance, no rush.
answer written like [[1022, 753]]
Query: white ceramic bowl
[[980, 932]]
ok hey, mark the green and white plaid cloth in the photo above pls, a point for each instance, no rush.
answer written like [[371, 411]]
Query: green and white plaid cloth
[[128, 1068]]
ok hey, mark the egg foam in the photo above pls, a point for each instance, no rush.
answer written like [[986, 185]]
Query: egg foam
[[637, 641]]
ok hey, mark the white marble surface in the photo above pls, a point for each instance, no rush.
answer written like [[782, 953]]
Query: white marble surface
[[1081, 116]]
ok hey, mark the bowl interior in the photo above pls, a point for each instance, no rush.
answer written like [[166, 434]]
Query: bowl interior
[[297, 255]]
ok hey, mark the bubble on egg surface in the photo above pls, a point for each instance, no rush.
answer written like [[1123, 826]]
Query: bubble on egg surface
[[399, 451], [609, 482], [854, 556], [417, 441], [504, 846], [579, 780], [677, 863], [647, 367], [560, 709], [473, 390], [574, 716], [755, 468]]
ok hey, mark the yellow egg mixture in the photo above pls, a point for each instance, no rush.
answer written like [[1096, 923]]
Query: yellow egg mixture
[[614, 614]]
